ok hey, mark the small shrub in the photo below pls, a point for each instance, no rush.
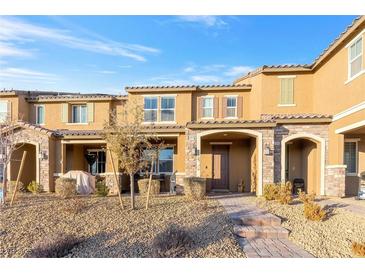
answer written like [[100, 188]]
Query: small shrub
[[56, 246], [314, 212], [358, 249], [35, 187], [174, 242], [143, 186], [195, 188], [74, 206], [306, 198], [271, 191], [284, 195], [65, 187], [102, 189], [20, 187]]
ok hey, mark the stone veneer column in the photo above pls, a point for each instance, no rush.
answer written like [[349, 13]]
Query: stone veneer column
[[335, 180]]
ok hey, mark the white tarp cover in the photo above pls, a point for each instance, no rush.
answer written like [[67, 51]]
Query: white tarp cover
[[85, 182]]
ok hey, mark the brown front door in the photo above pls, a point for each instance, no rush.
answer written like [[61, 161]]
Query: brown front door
[[220, 167]]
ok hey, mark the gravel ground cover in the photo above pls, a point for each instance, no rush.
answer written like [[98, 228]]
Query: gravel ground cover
[[110, 232], [331, 238]]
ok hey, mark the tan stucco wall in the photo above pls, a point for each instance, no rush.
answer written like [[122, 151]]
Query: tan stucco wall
[[239, 162]]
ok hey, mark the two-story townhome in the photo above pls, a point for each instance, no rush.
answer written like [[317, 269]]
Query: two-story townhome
[[303, 123]]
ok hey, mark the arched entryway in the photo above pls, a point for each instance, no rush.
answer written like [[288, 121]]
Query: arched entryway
[[31, 167], [230, 159], [302, 157]]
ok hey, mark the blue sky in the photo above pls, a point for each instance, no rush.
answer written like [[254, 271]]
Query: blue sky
[[106, 53]]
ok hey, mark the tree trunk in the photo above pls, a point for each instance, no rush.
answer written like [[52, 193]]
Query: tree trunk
[[132, 190], [4, 183]]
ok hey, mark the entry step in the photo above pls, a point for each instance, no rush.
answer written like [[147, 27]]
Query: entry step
[[267, 219], [256, 231]]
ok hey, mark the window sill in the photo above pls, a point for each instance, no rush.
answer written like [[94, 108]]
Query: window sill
[[287, 105], [40, 124], [75, 124], [352, 174], [207, 118], [355, 76], [231, 118], [159, 123]]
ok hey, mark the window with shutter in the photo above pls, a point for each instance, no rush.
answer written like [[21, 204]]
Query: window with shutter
[[287, 91]]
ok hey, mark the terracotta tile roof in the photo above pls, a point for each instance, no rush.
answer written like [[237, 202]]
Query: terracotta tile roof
[[66, 132], [164, 128], [192, 87], [296, 116], [231, 123], [47, 131], [317, 60]]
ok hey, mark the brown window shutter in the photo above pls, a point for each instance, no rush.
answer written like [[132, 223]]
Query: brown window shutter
[[224, 107], [199, 108], [240, 107], [216, 107]]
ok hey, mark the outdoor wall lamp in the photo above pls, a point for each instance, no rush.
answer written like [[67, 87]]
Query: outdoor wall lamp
[[43, 155], [267, 150]]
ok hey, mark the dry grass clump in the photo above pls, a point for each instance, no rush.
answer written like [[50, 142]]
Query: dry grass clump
[[35, 187], [195, 188], [174, 242], [20, 187], [143, 186], [358, 249], [65, 187], [56, 246], [314, 212], [281, 192], [306, 198]]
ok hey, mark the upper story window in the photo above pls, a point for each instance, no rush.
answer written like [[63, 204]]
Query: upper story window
[[350, 157], [207, 107], [287, 91], [79, 114], [231, 107], [150, 109], [3, 111], [355, 58], [167, 109], [40, 114]]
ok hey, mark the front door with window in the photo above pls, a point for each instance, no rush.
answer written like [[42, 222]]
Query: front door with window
[[220, 167]]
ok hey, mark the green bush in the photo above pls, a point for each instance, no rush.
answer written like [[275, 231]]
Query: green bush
[[143, 186], [65, 187], [102, 189], [35, 187], [195, 188]]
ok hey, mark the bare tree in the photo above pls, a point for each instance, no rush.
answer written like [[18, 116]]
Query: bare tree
[[125, 139], [9, 142]]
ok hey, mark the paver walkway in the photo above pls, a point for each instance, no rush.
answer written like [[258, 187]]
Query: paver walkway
[[259, 232]]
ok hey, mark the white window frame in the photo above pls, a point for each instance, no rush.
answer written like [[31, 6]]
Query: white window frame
[[349, 45], [72, 114], [156, 109], [160, 109], [227, 107], [207, 97], [36, 114], [7, 110], [97, 150], [356, 141]]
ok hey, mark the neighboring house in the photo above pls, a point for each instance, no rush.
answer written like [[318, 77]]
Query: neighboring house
[[274, 124]]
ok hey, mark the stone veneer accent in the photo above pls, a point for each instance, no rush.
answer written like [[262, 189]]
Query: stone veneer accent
[[271, 163], [34, 137], [335, 180]]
